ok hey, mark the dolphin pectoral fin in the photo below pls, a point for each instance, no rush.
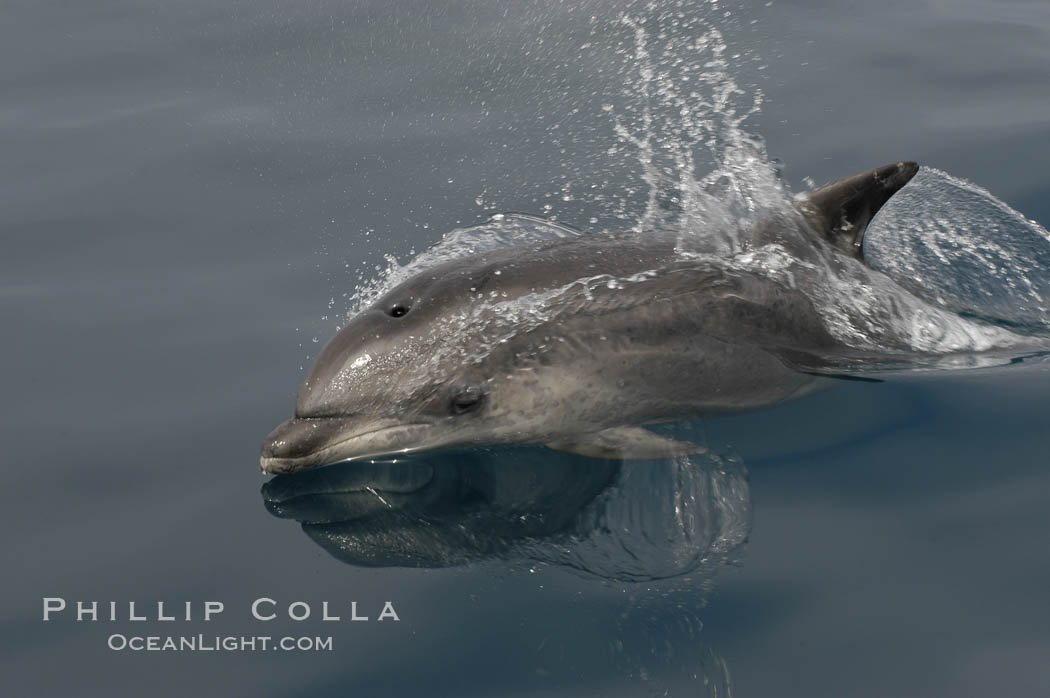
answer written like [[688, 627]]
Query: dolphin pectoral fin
[[842, 210], [625, 443]]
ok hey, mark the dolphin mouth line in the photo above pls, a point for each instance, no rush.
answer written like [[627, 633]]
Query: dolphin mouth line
[[277, 466]]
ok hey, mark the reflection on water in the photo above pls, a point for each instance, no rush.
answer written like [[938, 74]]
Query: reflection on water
[[662, 529], [627, 521]]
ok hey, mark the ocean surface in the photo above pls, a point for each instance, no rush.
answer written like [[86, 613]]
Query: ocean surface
[[193, 192]]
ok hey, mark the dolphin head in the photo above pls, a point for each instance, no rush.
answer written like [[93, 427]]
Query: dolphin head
[[436, 362]]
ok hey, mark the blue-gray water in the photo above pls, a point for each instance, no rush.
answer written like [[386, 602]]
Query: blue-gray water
[[189, 189]]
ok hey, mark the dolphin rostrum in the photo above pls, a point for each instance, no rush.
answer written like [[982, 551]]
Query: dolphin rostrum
[[573, 343]]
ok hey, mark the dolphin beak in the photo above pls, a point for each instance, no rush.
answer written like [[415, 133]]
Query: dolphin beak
[[298, 439], [310, 442]]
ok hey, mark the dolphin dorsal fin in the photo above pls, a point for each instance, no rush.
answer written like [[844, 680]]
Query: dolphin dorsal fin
[[841, 211]]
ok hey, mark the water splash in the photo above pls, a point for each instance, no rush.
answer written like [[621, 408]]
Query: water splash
[[962, 270], [957, 245], [739, 213], [685, 117]]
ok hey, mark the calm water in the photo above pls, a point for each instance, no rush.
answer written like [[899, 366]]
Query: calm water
[[190, 190]]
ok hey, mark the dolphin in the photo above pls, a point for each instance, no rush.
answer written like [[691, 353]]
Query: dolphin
[[576, 343]]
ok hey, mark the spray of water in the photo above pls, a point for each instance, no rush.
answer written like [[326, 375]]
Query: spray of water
[[960, 277]]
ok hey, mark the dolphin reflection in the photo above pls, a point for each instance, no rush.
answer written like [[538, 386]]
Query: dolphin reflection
[[621, 520]]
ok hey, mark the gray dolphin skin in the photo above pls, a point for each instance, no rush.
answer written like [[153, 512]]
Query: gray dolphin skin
[[574, 343]]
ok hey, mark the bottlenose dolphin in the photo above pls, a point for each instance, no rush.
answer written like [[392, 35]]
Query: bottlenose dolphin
[[573, 343]]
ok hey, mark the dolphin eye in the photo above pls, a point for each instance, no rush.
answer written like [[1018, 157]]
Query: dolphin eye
[[397, 310], [467, 399]]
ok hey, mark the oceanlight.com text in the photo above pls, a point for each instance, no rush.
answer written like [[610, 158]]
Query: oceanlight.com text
[[218, 643]]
